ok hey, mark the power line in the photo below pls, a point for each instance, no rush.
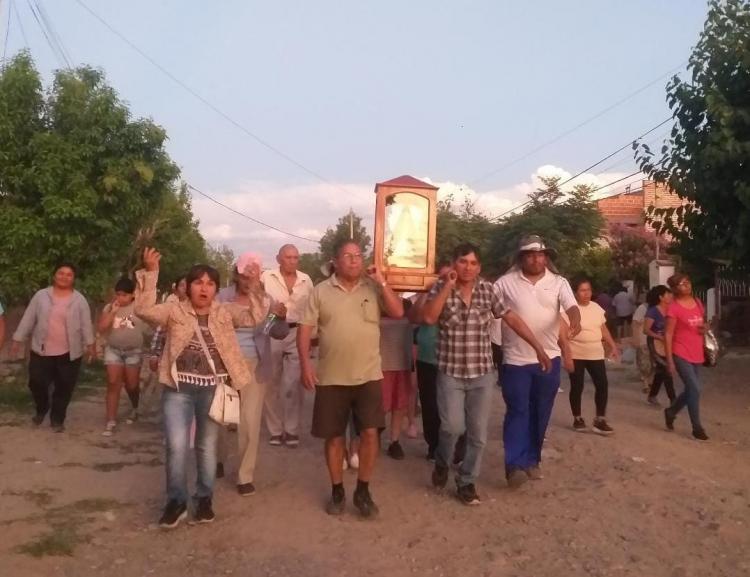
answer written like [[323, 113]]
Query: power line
[[585, 170], [207, 103], [255, 220], [20, 22], [7, 33], [59, 55], [515, 208], [577, 126], [53, 32]]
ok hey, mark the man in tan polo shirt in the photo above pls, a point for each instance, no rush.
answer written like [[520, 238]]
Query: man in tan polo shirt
[[346, 309]]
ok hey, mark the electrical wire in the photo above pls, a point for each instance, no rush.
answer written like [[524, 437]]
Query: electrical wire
[[209, 104], [578, 126], [53, 32], [20, 22], [255, 220]]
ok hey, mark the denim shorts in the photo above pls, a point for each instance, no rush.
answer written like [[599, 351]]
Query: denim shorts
[[127, 357]]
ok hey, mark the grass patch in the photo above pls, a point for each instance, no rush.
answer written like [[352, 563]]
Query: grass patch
[[65, 527], [60, 541]]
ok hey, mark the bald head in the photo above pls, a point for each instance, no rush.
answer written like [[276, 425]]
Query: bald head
[[288, 259]]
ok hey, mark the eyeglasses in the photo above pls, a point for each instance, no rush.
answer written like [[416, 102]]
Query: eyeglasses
[[352, 255], [684, 282]]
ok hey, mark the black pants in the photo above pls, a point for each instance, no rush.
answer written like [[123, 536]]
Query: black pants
[[662, 376], [427, 383], [598, 371], [62, 374]]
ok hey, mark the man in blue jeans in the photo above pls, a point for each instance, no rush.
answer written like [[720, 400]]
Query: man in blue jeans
[[534, 290], [463, 304]]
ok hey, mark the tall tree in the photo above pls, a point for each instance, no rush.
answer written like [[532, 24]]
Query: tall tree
[[706, 160], [459, 224], [568, 222], [346, 225], [79, 178], [221, 257]]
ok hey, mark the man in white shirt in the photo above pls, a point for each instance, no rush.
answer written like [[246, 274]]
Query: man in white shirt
[[536, 293], [291, 287]]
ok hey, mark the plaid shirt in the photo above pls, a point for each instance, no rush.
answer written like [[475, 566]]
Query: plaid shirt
[[463, 349]]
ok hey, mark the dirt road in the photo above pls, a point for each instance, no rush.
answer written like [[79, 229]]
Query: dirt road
[[641, 503]]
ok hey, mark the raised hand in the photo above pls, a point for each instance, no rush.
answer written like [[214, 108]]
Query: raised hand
[[375, 274], [151, 258], [450, 277]]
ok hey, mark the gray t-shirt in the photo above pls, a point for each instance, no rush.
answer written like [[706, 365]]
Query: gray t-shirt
[[127, 330]]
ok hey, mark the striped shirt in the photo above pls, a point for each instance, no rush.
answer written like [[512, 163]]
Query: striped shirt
[[464, 350]]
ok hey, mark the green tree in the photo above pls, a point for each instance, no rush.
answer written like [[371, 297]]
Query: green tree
[[79, 178], [706, 159], [568, 222], [456, 225], [310, 263], [222, 258], [174, 231], [342, 231]]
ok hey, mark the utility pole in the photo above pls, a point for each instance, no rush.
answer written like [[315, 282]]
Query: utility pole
[[351, 223]]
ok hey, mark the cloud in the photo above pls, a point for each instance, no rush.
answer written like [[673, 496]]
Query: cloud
[[307, 210]]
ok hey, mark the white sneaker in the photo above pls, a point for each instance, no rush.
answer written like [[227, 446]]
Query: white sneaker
[[132, 417], [346, 464], [109, 429], [354, 461]]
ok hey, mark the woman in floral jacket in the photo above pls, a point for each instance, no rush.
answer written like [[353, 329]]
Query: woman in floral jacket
[[190, 376]]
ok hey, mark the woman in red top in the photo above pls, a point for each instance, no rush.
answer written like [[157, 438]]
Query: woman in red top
[[683, 341]]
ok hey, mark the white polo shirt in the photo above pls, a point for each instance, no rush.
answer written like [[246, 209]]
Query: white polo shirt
[[539, 306], [296, 301]]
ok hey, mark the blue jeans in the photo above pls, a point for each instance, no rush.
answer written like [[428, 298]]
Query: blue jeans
[[464, 406], [691, 394], [179, 407], [529, 395]]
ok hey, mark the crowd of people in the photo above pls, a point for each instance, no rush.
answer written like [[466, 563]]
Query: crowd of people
[[356, 343]]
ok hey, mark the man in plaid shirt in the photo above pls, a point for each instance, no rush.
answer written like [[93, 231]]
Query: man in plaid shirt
[[463, 304]]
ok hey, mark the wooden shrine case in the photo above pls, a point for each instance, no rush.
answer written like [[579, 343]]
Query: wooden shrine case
[[405, 224]]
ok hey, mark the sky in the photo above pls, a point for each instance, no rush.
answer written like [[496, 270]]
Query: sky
[[291, 111]]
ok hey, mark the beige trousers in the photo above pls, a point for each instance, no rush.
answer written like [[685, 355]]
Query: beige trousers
[[248, 431], [284, 399]]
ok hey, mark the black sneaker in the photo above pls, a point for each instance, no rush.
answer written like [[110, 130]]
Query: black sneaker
[[204, 513], [395, 451], [579, 425], [467, 494], [364, 503], [37, 420], [337, 504], [246, 489], [174, 512], [669, 419], [601, 427], [439, 477], [219, 470], [700, 434]]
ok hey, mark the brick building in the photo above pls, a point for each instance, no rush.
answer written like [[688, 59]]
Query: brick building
[[629, 208]]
